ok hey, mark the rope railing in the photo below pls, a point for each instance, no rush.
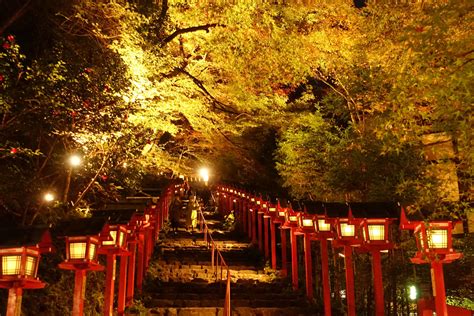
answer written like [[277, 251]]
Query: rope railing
[[217, 261]]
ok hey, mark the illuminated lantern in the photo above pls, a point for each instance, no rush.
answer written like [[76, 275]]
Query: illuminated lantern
[[118, 223], [20, 252], [141, 223], [306, 227], [305, 223], [434, 243], [376, 239], [324, 232], [291, 223], [83, 238], [347, 236]]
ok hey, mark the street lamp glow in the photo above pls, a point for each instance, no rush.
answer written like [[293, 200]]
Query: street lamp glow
[[48, 197], [412, 293], [74, 160], [204, 174]]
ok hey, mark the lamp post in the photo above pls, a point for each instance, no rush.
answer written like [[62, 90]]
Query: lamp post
[[112, 249], [324, 232], [435, 246], [347, 237], [376, 237], [83, 238], [259, 214], [280, 218], [141, 222], [20, 253], [266, 220], [253, 221], [271, 216], [291, 223], [306, 228], [119, 225]]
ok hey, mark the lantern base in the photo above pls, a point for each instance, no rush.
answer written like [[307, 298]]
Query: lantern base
[[90, 266], [421, 258], [22, 283]]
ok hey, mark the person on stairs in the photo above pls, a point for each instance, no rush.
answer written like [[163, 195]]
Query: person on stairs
[[175, 212], [192, 213]]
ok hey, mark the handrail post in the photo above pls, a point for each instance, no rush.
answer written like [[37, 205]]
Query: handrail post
[[212, 255]]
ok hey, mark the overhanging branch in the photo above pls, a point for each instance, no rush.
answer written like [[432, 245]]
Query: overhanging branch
[[218, 104], [178, 32]]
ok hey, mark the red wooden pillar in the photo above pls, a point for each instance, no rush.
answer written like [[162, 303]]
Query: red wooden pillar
[[294, 259], [273, 244], [250, 224], [122, 290], [437, 278], [325, 277], [284, 256], [244, 217], [79, 292], [378, 285], [308, 263], [254, 227], [351, 310], [140, 261], [260, 233], [109, 285], [15, 295], [267, 241], [131, 274]]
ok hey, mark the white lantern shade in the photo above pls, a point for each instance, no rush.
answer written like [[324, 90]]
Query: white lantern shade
[[347, 230], [376, 231], [11, 265], [307, 222], [323, 226], [437, 238], [30, 266], [77, 250]]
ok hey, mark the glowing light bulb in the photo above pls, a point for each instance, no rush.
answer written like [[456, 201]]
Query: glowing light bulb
[[48, 197], [75, 160]]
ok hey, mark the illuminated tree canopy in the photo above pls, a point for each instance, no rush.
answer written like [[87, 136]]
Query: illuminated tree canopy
[[325, 99]]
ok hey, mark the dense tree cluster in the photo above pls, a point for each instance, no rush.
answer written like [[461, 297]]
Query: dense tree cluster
[[323, 98]]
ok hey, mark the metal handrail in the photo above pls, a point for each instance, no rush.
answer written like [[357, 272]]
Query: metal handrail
[[216, 256]]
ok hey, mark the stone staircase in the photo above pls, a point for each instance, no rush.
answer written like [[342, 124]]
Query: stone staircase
[[182, 282]]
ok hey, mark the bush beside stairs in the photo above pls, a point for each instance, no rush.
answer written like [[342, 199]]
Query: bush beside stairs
[[181, 282]]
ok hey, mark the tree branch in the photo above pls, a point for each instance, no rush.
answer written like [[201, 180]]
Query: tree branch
[[15, 16], [219, 105], [204, 27]]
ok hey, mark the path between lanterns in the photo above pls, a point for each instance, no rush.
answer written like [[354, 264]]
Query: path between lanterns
[[181, 282]]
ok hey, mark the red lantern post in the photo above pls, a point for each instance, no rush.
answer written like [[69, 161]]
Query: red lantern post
[[291, 223], [324, 233], [347, 237], [271, 216], [435, 246], [280, 218], [376, 238], [20, 252], [83, 238], [306, 228], [266, 221]]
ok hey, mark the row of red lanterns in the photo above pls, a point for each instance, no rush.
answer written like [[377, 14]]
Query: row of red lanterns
[[367, 234], [127, 230]]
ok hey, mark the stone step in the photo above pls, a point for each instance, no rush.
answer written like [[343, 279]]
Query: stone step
[[220, 294], [179, 265], [213, 302], [236, 311], [208, 272], [201, 286]]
